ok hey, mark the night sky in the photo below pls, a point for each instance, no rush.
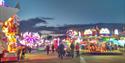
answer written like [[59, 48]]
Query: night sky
[[73, 11]]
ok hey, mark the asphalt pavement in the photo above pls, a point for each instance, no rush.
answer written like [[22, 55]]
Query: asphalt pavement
[[42, 57]]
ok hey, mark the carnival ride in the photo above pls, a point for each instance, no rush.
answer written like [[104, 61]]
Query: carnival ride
[[96, 40], [32, 40], [9, 23]]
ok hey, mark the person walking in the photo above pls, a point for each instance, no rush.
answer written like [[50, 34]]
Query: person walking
[[19, 51], [77, 47], [72, 49], [47, 49], [29, 49], [23, 52], [52, 48], [61, 50]]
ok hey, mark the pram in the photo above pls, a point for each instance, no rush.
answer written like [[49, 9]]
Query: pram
[[68, 54]]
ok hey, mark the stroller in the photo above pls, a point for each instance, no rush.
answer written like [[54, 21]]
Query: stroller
[[68, 53]]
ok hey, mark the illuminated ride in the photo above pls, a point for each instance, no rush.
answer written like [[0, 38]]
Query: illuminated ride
[[32, 40], [73, 36], [9, 23]]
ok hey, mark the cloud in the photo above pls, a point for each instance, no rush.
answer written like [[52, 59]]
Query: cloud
[[29, 25], [47, 18]]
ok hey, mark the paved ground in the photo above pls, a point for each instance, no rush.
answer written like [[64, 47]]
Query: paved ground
[[43, 58], [104, 59], [53, 58]]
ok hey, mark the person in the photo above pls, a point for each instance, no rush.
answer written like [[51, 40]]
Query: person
[[77, 49], [23, 52], [47, 49], [124, 47], [52, 48], [109, 47], [72, 49], [19, 53], [29, 49], [61, 50], [3, 54]]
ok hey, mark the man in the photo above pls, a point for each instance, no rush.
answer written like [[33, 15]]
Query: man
[[23, 52], [52, 48], [61, 50], [47, 49], [72, 49], [19, 50]]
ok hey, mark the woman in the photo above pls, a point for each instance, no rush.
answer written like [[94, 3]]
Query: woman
[[77, 49]]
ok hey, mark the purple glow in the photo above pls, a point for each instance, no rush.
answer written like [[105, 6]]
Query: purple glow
[[30, 39]]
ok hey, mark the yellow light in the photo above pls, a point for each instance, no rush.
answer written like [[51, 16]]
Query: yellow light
[[7, 29]]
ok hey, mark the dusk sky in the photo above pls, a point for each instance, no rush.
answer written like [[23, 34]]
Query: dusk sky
[[73, 11]]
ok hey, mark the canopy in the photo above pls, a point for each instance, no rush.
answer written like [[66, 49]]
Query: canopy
[[7, 12]]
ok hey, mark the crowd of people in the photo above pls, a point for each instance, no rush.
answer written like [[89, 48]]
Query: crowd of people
[[64, 51], [70, 51]]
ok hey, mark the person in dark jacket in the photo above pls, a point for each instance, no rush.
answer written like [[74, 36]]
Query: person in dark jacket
[[29, 49], [47, 49], [61, 50], [72, 49], [23, 52], [52, 48], [19, 53]]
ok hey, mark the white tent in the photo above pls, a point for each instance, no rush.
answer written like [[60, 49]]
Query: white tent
[[7, 12], [46, 32], [56, 35]]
